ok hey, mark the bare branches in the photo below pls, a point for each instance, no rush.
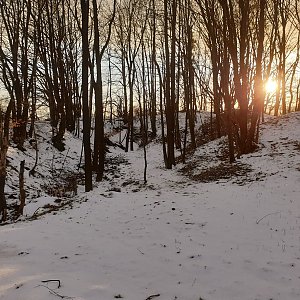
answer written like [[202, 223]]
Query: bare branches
[[53, 280], [52, 291]]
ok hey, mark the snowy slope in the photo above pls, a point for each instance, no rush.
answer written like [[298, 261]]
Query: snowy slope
[[174, 238]]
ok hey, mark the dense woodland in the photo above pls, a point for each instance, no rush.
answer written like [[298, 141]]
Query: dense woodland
[[83, 63]]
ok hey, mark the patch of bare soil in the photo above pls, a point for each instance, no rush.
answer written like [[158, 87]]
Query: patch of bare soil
[[220, 171]]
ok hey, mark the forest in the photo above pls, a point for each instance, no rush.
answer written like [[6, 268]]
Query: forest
[[81, 64], [155, 101]]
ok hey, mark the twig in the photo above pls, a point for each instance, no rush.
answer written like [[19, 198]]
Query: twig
[[49, 209], [53, 280], [194, 282], [36, 211], [140, 251], [153, 296], [52, 163], [51, 291], [63, 164], [4, 223], [275, 213]]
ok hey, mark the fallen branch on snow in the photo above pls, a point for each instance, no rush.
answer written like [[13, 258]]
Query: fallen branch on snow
[[51, 291], [53, 280], [275, 213], [153, 296]]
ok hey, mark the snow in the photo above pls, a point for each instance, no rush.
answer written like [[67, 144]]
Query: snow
[[174, 238]]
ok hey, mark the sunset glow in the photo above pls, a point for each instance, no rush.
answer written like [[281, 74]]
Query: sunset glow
[[271, 85]]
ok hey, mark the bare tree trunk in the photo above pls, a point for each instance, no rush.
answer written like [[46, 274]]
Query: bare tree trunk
[[162, 123], [298, 97], [22, 194], [99, 142], [226, 94], [153, 73], [294, 68], [258, 81], [3, 152], [170, 86], [85, 95], [3, 207], [208, 15]]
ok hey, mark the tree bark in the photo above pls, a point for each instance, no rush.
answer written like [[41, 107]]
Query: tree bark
[[22, 194], [85, 102]]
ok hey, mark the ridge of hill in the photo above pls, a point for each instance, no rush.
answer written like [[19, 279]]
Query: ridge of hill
[[235, 237]]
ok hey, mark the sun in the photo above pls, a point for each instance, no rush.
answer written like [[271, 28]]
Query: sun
[[271, 85]]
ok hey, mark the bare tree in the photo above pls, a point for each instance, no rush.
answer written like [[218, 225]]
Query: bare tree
[[99, 141], [57, 39], [4, 123], [130, 26], [259, 94], [17, 75], [85, 96]]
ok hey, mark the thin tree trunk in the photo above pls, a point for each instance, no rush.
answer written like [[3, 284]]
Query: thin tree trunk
[[22, 194], [3, 152], [258, 82], [85, 95]]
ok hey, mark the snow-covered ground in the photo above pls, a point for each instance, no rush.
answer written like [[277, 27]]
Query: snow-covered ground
[[235, 238]]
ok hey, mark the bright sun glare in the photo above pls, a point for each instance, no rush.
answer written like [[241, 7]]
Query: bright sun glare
[[271, 85]]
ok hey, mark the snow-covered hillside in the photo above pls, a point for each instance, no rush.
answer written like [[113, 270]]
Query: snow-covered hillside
[[194, 232]]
